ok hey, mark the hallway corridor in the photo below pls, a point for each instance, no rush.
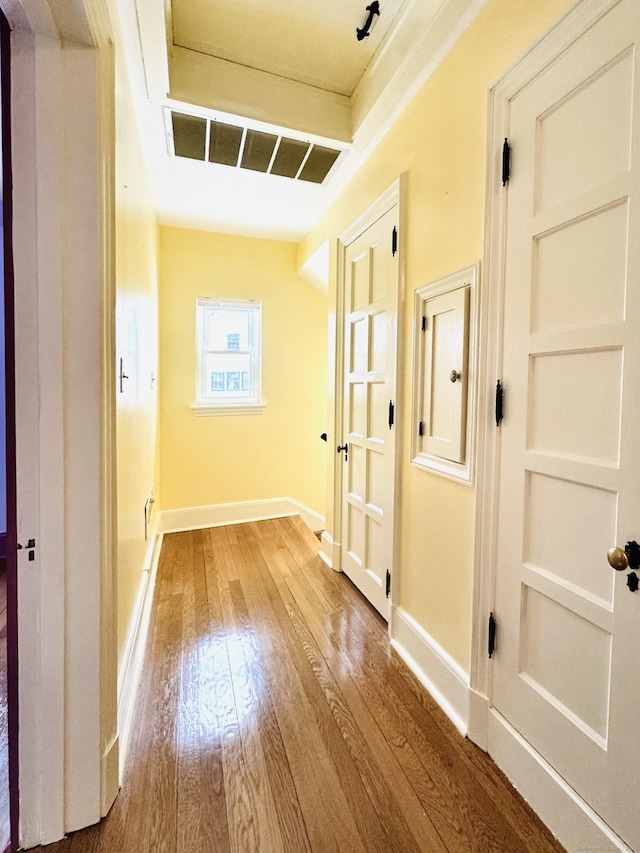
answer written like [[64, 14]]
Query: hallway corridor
[[273, 716]]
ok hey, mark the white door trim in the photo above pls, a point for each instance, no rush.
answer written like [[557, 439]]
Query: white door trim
[[394, 195], [62, 96], [558, 805]]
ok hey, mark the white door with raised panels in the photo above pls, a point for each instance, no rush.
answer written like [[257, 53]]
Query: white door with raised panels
[[566, 671], [368, 460]]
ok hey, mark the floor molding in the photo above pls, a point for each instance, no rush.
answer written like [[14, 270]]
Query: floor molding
[[215, 515], [436, 670], [133, 657], [568, 816], [326, 548]]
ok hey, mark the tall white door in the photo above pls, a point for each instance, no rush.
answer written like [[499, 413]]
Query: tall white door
[[566, 671], [370, 338]]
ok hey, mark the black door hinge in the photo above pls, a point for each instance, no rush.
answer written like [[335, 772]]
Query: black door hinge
[[506, 162], [499, 403], [424, 324], [492, 635], [391, 414], [388, 584], [394, 241], [421, 428]]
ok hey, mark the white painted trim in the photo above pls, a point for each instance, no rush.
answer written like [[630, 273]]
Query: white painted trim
[[378, 208], [566, 814], [36, 74], [62, 90], [133, 655], [479, 707], [202, 411], [215, 515], [461, 472], [326, 548], [437, 671], [152, 27]]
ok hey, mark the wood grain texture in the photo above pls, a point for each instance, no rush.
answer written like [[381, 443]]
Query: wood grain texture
[[273, 717]]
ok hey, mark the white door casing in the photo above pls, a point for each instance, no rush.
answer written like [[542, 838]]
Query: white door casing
[[367, 476], [62, 86], [561, 481]]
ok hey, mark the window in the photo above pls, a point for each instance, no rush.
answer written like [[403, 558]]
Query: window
[[228, 336]]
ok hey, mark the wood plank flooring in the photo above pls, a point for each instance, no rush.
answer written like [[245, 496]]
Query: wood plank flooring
[[274, 716]]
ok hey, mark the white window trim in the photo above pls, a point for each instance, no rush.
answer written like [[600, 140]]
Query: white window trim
[[202, 408], [461, 472]]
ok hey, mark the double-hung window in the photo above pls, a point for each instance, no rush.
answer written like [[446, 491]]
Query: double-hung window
[[228, 334]]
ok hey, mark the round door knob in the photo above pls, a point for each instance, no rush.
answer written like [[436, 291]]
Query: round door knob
[[454, 376], [618, 559]]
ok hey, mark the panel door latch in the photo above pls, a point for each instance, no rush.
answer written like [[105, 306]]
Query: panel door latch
[[30, 546]]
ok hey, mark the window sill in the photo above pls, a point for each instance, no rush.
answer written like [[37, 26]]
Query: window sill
[[203, 411]]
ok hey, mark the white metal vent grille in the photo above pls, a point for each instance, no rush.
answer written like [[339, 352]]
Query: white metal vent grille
[[213, 141]]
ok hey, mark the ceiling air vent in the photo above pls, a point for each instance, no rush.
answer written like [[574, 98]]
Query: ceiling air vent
[[213, 141]]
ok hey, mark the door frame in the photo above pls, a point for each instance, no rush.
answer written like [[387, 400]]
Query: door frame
[[568, 816], [63, 180], [11, 541], [392, 196]]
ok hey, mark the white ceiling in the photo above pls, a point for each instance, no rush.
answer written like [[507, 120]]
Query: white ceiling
[[285, 65]]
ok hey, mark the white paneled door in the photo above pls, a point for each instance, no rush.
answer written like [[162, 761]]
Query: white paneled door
[[566, 672], [370, 339]]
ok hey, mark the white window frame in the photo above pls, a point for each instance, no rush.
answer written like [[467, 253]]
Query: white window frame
[[206, 406]]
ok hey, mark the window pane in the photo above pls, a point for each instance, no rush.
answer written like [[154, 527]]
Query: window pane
[[229, 375], [217, 381], [228, 329]]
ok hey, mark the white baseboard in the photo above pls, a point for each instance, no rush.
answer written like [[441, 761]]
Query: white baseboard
[[436, 670], [478, 719], [132, 659], [326, 548], [215, 515], [111, 775], [570, 819]]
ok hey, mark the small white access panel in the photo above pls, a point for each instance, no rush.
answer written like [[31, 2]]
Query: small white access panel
[[442, 374]]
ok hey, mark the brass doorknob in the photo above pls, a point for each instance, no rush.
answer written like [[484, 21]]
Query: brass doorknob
[[629, 558], [618, 559]]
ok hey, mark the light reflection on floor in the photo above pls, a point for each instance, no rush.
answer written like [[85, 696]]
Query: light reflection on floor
[[221, 688]]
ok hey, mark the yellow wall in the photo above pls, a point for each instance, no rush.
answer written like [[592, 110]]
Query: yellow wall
[[224, 459], [439, 141], [136, 343]]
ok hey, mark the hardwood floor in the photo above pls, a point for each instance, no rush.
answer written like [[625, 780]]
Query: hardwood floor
[[273, 716]]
